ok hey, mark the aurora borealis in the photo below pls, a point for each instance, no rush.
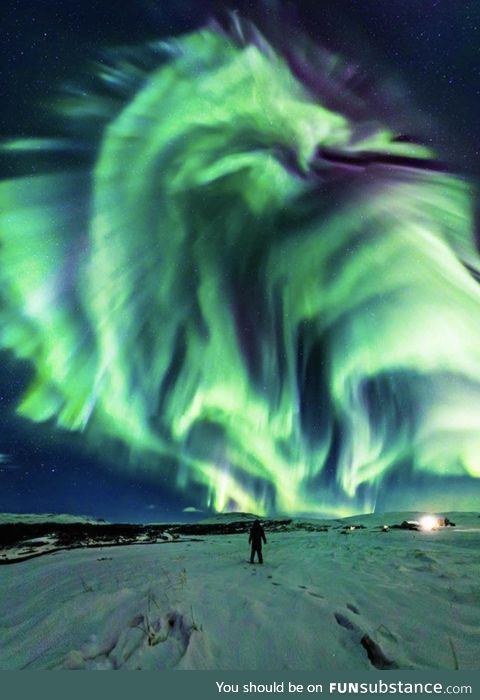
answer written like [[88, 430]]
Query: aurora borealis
[[251, 292]]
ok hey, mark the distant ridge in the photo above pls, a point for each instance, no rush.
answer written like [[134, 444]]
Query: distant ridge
[[367, 519], [224, 518], [33, 518]]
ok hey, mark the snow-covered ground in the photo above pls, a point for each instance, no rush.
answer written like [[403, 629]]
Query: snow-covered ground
[[412, 597]]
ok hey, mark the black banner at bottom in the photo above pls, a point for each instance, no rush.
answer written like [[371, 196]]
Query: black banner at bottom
[[221, 685]]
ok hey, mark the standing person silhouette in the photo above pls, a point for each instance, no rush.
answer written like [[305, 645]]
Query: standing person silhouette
[[257, 534]]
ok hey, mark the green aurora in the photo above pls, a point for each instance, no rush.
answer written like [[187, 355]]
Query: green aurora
[[276, 328]]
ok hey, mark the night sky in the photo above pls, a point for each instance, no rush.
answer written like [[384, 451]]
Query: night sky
[[430, 51]]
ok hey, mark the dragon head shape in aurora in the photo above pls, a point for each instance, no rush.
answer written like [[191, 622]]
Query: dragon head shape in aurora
[[259, 296]]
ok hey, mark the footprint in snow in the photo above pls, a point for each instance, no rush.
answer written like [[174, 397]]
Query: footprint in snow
[[374, 651], [343, 621]]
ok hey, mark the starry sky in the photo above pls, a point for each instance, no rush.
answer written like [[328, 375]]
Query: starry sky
[[429, 50]]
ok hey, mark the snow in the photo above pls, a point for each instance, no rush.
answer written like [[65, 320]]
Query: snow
[[29, 548], [201, 605]]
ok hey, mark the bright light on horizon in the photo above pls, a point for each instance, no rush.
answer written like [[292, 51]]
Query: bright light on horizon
[[428, 522]]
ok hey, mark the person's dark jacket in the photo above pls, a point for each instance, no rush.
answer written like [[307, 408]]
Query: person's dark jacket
[[257, 534]]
